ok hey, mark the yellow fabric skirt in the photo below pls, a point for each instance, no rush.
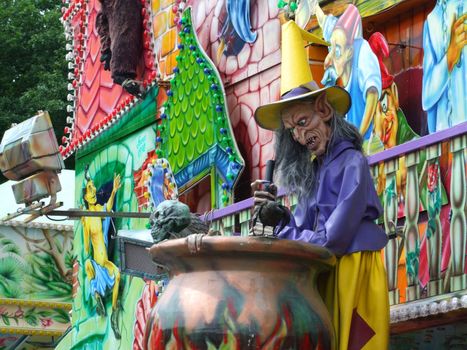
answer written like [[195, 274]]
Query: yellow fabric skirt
[[356, 295]]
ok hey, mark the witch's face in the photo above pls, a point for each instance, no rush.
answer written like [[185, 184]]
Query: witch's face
[[308, 127]]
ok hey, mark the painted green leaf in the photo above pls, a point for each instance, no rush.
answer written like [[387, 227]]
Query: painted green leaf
[[5, 320], [58, 244], [61, 316], [31, 320], [60, 287], [210, 345], [30, 312], [44, 313]]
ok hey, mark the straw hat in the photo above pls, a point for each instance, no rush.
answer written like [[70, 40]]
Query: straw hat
[[297, 84]]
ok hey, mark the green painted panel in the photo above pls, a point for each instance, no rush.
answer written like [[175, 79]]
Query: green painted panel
[[124, 157], [195, 101]]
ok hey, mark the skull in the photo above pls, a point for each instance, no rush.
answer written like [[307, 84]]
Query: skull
[[169, 219]]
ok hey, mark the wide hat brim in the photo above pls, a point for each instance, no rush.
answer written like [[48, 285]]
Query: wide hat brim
[[269, 116]]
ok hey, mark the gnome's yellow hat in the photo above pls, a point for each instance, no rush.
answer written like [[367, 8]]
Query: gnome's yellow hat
[[297, 82]]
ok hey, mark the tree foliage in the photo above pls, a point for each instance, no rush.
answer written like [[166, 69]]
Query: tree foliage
[[33, 69]]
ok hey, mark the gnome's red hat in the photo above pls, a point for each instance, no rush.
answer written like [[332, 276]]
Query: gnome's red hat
[[380, 47], [351, 23]]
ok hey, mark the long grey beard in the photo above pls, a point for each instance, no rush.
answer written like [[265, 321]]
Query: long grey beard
[[298, 177], [295, 171]]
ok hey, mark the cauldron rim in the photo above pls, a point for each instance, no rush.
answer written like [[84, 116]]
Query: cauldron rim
[[201, 245]]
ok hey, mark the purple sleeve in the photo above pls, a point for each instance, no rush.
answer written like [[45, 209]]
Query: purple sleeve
[[342, 225], [337, 232], [301, 232]]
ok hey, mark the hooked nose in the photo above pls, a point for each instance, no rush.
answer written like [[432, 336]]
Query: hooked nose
[[298, 135]]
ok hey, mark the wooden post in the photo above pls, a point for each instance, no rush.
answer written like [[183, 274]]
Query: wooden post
[[458, 219], [434, 232], [391, 251], [412, 244], [244, 218]]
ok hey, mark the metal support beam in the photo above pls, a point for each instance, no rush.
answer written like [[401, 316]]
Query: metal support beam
[[76, 214]]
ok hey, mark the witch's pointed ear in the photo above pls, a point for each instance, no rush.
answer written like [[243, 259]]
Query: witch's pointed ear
[[323, 108]]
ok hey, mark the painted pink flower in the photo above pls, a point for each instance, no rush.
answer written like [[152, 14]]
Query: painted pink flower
[[19, 313], [433, 176], [46, 322], [3, 311]]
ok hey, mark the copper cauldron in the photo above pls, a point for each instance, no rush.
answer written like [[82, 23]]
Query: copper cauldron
[[240, 293]]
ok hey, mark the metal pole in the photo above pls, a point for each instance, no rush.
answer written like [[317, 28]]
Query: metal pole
[[77, 214]]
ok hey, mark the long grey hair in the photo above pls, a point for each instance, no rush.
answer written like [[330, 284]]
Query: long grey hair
[[294, 170]]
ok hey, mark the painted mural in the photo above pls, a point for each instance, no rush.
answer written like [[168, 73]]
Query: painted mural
[[250, 77], [36, 264], [391, 125], [101, 274], [375, 97], [194, 132], [445, 65], [96, 92], [205, 66], [105, 302]]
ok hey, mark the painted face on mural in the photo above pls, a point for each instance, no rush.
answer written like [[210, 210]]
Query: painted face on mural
[[339, 58], [386, 121], [90, 193], [308, 124]]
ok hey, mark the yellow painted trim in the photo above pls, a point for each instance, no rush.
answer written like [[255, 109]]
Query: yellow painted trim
[[36, 303], [22, 331]]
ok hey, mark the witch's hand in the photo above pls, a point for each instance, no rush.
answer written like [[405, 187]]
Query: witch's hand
[[269, 212], [263, 191]]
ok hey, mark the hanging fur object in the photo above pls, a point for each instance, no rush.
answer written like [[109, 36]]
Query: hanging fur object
[[119, 24]]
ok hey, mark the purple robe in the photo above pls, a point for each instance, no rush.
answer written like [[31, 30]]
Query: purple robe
[[340, 214]]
